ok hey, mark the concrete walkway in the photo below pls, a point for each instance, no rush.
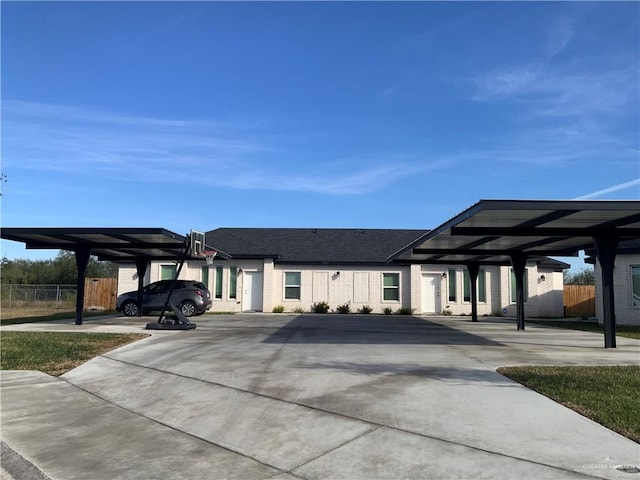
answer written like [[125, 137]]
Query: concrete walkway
[[315, 396]]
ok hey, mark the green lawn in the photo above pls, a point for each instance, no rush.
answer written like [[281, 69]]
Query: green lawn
[[56, 352], [621, 330], [607, 395]]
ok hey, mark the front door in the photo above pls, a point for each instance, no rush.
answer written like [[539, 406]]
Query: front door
[[430, 293], [252, 292]]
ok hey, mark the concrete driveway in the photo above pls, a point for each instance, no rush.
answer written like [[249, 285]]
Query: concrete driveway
[[261, 396]]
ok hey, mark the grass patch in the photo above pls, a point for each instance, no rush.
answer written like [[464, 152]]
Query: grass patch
[[607, 395], [621, 330], [57, 352]]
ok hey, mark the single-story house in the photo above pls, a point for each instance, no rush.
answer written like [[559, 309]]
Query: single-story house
[[297, 267], [626, 283]]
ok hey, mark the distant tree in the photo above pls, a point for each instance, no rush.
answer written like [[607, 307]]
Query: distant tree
[[583, 277], [61, 270]]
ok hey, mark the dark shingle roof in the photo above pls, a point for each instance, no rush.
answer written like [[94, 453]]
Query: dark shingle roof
[[311, 245]]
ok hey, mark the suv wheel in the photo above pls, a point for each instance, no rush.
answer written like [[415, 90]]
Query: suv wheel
[[188, 308], [130, 308]]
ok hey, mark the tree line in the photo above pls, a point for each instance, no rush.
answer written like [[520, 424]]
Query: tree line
[[62, 270], [583, 277]]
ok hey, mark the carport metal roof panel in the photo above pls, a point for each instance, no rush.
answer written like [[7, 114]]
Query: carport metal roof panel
[[491, 230], [115, 244]]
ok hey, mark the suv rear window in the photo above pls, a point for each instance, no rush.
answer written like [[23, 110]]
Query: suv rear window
[[199, 285]]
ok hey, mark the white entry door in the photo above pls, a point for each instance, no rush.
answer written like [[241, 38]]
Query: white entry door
[[430, 293], [252, 291]]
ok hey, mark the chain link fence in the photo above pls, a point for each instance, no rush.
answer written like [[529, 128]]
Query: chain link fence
[[38, 296]]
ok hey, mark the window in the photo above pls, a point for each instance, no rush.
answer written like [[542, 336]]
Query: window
[[292, 285], [167, 272], [218, 292], [452, 285], [525, 286], [466, 286], [233, 281], [635, 286], [482, 286], [205, 276], [391, 287]]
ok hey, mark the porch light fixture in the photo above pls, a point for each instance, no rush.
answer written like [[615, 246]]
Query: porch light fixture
[[337, 274], [542, 278], [444, 274]]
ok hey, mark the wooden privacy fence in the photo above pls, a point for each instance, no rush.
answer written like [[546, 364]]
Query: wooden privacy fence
[[100, 293], [579, 300]]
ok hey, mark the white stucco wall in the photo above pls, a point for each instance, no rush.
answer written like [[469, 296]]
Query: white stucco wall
[[545, 297], [340, 288], [626, 313]]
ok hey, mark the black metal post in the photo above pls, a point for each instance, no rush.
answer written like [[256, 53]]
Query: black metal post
[[519, 263], [474, 268], [606, 249], [185, 255], [141, 269], [82, 260]]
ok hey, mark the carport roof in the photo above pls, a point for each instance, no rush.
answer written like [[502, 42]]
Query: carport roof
[[490, 231], [115, 244]]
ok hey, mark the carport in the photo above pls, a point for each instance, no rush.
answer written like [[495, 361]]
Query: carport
[[510, 232], [137, 245]]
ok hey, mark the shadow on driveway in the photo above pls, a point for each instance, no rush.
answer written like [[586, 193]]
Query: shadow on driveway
[[372, 329]]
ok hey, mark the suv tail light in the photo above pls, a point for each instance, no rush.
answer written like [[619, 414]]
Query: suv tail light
[[200, 293]]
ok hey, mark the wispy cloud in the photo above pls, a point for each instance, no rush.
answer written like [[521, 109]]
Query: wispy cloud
[[614, 188], [76, 141], [560, 35]]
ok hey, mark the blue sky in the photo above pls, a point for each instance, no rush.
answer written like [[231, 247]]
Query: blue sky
[[311, 114]]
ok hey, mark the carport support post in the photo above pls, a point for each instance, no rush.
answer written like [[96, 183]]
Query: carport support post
[[141, 270], [82, 260], [519, 263], [606, 248], [474, 268]]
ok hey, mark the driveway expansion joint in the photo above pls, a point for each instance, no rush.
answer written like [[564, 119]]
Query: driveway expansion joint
[[376, 425]]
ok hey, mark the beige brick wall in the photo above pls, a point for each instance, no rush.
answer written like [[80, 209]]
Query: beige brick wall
[[626, 313]]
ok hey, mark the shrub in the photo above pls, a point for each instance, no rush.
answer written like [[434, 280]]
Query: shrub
[[387, 310], [344, 308], [365, 309], [320, 307], [278, 309], [404, 311], [298, 310], [447, 311]]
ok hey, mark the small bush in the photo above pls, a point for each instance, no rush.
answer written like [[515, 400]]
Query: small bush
[[343, 308], [298, 310], [365, 309], [404, 311], [278, 309], [387, 310], [447, 311], [320, 307]]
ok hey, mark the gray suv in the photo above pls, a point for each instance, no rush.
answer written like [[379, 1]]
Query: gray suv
[[193, 298]]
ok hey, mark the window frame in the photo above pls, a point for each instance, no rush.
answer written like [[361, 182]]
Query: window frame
[[218, 283], [286, 286], [163, 267], [395, 288], [634, 303], [512, 286], [233, 283], [453, 279]]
